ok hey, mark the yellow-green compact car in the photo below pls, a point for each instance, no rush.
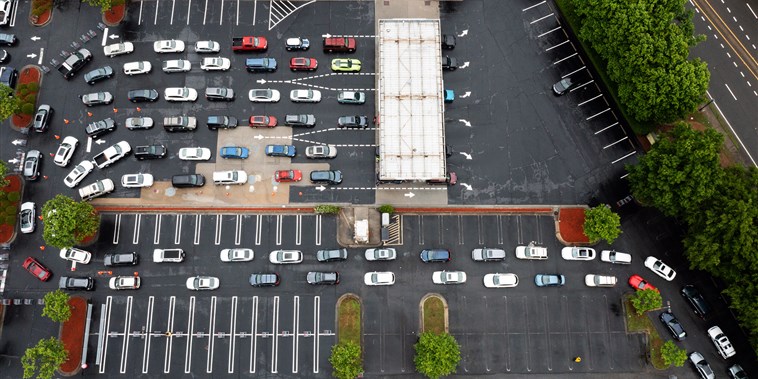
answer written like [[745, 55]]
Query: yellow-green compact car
[[346, 65]]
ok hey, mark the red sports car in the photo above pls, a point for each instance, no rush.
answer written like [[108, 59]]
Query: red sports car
[[263, 121], [37, 269], [303, 64], [288, 176], [639, 284]]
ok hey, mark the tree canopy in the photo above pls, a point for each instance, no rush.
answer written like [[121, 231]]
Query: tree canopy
[[646, 300], [56, 306], [104, 5], [9, 104], [44, 358], [346, 360], [68, 222], [646, 48], [436, 354], [672, 354], [601, 223]]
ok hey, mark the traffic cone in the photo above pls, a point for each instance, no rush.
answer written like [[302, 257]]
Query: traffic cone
[[139, 109], [44, 176], [42, 248], [57, 137], [89, 114], [66, 121], [115, 110], [52, 155]]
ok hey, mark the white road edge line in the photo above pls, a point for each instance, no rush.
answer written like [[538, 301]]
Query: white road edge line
[[169, 332], [295, 334], [127, 327], [190, 332], [211, 332], [254, 336], [275, 337], [232, 335]]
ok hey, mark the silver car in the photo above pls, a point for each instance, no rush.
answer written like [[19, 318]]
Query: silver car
[[97, 98], [176, 65], [32, 164], [133, 123]]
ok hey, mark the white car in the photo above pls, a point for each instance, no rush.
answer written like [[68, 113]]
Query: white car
[[321, 151], [205, 47], [5, 11], [216, 64], [134, 123], [136, 180], [376, 278], [702, 366], [617, 257], [531, 251], [180, 94], [176, 65], [78, 174], [201, 283], [124, 283], [383, 254], [168, 46], [722, 343], [222, 178], [27, 217], [593, 280], [65, 151], [449, 277], [136, 68], [118, 49], [578, 253], [97, 98], [498, 280], [305, 95], [659, 268], [76, 255], [281, 257], [237, 255], [264, 95], [194, 154]]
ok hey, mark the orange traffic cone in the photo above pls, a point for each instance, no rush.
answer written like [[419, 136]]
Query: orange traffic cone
[[57, 137], [89, 114], [115, 110], [66, 121], [139, 109]]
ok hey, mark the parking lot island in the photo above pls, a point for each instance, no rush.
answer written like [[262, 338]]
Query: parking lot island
[[72, 335], [433, 314], [29, 82]]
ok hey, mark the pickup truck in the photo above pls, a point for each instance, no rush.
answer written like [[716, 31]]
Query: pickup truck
[[112, 154], [249, 44], [168, 255], [339, 45], [531, 251], [74, 63]]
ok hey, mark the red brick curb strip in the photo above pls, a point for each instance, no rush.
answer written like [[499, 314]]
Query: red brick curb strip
[[203, 209], [546, 210]]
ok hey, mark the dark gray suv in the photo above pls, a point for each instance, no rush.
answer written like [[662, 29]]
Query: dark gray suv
[[332, 255], [435, 255], [268, 279]]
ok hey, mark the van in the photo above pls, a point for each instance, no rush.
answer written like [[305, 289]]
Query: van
[[179, 123], [188, 180], [339, 45], [260, 64], [229, 177]]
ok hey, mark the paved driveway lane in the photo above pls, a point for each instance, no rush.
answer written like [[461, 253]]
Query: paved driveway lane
[[388, 324], [519, 345]]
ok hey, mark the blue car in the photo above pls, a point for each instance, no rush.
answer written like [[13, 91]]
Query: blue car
[[234, 152], [280, 151]]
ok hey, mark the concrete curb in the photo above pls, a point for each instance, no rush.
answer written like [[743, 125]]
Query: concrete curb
[[421, 311]]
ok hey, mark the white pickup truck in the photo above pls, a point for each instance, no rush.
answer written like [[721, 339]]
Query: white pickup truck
[[168, 255], [531, 251], [112, 154]]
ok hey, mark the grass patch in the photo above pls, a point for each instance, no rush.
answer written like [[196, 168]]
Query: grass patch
[[643, 324], [349, 320], [434, 316], [567, 11]]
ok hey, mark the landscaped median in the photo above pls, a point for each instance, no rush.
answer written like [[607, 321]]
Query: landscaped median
[[437, 352], [10, 201], [642, 324], [72, 336], [347, 354], [29, 81]]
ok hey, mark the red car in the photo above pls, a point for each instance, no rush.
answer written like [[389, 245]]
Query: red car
[[303, 64], [262, 121], [37, 269], [288, 176], [639, 284]]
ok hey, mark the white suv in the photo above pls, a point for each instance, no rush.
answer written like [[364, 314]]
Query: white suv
[[722, 343], [229, 177]]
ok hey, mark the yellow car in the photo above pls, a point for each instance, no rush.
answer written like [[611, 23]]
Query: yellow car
[[346, 65]]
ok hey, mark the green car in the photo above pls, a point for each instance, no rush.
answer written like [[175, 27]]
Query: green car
[[346, 65], [351, 97]]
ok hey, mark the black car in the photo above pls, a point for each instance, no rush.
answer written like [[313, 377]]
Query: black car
[[121, 259], [76, 283], [150, 152], [142, 95], [98, 74], [8, 39], [332, 255], [449, 63], [563, 86], [98, 128], [669, 321], [696, 300], [353, 122], [266, 279], [326, 176], [221, 122], [188, 180], [303, 120], [448, 41], [8, 76], [435, 255], [315, 277]]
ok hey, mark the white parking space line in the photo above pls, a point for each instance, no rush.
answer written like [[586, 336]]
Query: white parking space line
[[318, 230], [198, 221], [298, 229], [232, 335], [178, 229], [730, 91], [624, 157], [500, 234], [607, 127], [548, 32], [554, 46], [278, 230], [211, 332], [621, 140], [480, 229], [541, 18], [169, 334], [205, 11], [238, 12], [42, 54], [189, 8], [15, 12], [505, 333], [528, 340], [255, 10], [238, 230], [563, 59], [103, 355], [147, 329], [295, 334], [732, 129], [547, 333], [587, 101], [127, 327], [173, 5], [157, 5], [139, 19], [258, 229], [157, 231], [598, 114], [221, 14], [116, 229], [608, 334], [533, 6], [441, 231], [254, 337], [316, 331], [190, 334], [217, 240], [575, 71], [89, 144], [105, 37], [137, 225], [275, 340]]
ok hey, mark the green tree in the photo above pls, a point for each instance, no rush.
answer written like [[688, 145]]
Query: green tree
[[326, 209], [601, 223], [346, 360], [3, 172], [680, 173], [436, 354], [672, 354], [8, 104], [56, 306], [104, 5], [743, 296], [44, 358], [68, 222], [646, 300]]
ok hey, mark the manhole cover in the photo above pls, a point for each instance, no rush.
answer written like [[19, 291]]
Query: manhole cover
[[170, 191]]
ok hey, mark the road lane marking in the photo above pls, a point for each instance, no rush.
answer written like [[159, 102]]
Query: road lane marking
[[607, 127], [621, 140], [732, 129], [169, 334], [500, 237], [148, 329], [626, 156], [275, 339], [316, 331], [554, 46], [547, 333], [137, 225], [598, 114], [173, 5], [211, 332], [318, 230], [198, 221], [41, 54], [238, 12], [178, 229], [117, 229], [298, 229], [730, 90], [296, 334], [238, 231], [563, 59], [157, 6], [139, 19], [157, 231], [278, 230], [232, 334], [190, 333], [541, 18], [103, 355], [127, 327], [254, 336], [189, 8], [217, 240], [258, 229], [535, 5]]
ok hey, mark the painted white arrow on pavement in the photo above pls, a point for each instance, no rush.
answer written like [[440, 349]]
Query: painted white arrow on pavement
[[99, 141], [13, 161], [464, 65], [327, 35], [320, 188], [35, 38], [467, 155], [261, 81], [259, 136], [468, 186], [410, 194], [465, 122], [18, 142], [32, 55], [113, 36], [465, 95], [463, 33]]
